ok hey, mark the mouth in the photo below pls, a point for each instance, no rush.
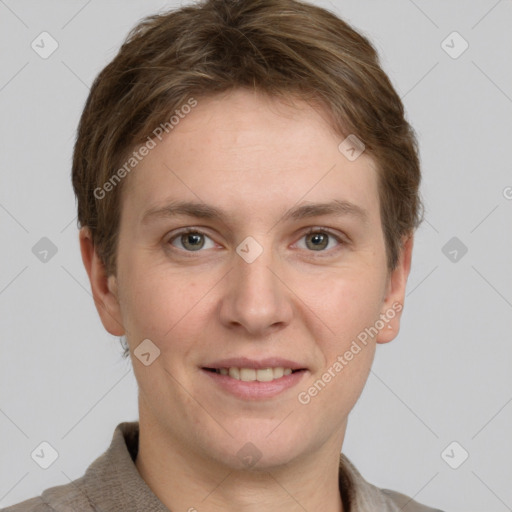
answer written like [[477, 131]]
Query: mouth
[[250, 379], [254, 374]]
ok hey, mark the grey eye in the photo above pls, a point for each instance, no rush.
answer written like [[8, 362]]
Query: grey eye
[[191, 241], [317, 241]]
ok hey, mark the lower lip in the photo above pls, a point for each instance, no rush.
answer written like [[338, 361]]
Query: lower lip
[[255, 390]]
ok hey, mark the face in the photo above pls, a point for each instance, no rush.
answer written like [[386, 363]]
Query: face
[[249, 247]]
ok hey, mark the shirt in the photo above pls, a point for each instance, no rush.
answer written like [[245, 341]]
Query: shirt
[[112, 483]]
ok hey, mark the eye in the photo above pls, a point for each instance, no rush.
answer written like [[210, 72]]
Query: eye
[[191, 240], [319, 240]]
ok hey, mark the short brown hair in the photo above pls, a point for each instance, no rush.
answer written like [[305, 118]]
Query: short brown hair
[[283, 48]]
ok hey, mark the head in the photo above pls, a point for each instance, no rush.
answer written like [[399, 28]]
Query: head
[[248, 110]]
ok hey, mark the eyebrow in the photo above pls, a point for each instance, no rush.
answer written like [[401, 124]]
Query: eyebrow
[[199, 210]]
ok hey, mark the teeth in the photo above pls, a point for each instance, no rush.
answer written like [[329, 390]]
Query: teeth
[[247, 374], [250, 374], [278, 373], [264, 375], [235, 373]]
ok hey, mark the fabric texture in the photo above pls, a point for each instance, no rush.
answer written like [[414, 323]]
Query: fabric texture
[[113, 484]]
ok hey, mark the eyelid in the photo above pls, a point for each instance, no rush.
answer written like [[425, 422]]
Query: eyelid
[[168, 240], [329, 231], [340, 238]]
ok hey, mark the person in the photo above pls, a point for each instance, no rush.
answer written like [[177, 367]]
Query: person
[[248, 192]]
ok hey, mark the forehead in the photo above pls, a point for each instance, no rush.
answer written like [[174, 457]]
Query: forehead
[[243, 151]]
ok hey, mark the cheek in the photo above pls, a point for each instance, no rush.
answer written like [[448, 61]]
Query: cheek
[[351, 306], [347, 351], [158, 303], [346, 303]]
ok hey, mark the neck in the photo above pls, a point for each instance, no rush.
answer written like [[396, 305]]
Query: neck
[[183, 480]]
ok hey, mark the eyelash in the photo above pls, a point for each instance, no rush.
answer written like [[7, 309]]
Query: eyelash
[[341, 241]]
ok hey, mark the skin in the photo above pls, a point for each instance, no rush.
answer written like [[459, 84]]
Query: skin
[[255, 158]]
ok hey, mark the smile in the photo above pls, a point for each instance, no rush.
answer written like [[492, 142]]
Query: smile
[[252, 374], [254, 383]]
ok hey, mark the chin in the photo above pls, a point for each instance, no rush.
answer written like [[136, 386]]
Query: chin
[[259, 447]]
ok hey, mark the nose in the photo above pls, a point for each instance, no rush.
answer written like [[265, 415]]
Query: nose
[[256, 299]]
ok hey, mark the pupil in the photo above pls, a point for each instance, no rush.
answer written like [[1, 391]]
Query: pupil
[[193, 241], [319, 240]]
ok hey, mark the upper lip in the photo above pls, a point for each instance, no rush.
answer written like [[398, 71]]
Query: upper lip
[[245, 362]]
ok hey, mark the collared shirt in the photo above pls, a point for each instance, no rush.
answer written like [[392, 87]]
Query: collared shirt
[[112, 483]]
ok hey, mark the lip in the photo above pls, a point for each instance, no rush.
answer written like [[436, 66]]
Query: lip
[[254, 390], [245, 362]]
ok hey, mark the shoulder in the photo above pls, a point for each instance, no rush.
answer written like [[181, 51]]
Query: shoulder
[[405, 503], [364, 496], [61, 498], [111, 482], [31, 505]]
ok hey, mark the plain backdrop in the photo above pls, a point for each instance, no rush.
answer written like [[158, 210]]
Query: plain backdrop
[[446, 378]]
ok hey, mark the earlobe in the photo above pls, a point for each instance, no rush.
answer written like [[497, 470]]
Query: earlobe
[[394, 301], [104, 289]]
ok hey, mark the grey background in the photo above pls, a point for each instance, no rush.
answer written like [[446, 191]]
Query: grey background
[[445, 378]]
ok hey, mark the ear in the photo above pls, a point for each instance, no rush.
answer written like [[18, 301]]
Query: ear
[[395, 293], [104, 289]]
